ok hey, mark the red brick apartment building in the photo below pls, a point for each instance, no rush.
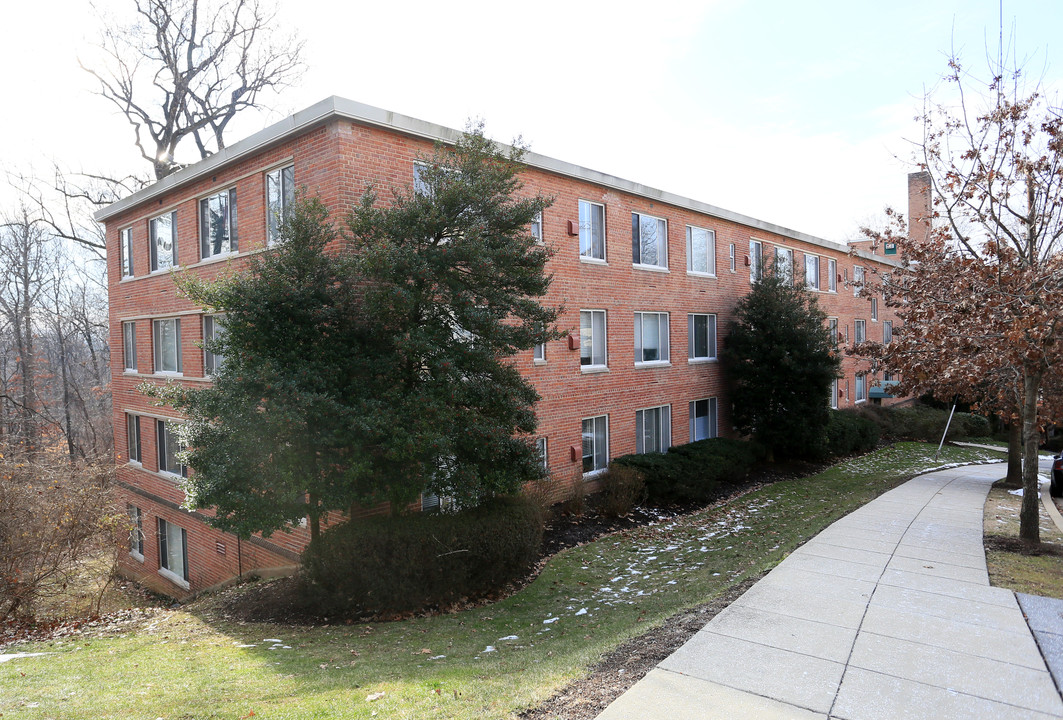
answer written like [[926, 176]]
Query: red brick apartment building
[[637, 373]]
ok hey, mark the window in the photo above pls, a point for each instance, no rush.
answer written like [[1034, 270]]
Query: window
[[539, 353], [861, 387], [703, 419], [173, 553], [540, 447], [163, 237], [834, 394], [784, 264], [595, 443], [832, 325], [649, 241], [756, 260], [701, 330], [136, 532], [701, 251], [591, 230], [859, 331], [213, 329], [169, 446], [125, 251], [832, 275], [887, 332], [651, 337], [858, 280], [132, 425], [129, 346], [812, 271], [874, 309], [653, 429], [280, 197], [167, 345], [592, 339], [537, 227], [217, 224], [732, 256]]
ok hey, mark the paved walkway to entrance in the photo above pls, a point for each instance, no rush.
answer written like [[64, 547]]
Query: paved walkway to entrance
[[888, 613]]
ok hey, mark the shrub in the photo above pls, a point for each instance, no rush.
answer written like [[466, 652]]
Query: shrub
[[849, 432], [924, 423], [400, 564], [623, 488], [695, 472]]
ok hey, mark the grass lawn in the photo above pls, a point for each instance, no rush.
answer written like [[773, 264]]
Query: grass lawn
[[490, 662], [1037, 572]]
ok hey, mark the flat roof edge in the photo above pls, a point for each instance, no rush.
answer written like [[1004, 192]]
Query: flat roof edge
[[336, 107]]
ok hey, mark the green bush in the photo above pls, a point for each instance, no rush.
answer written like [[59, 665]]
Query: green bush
[[695, 472], [400, 564], [849, 432], [622, 489], [924, 423]]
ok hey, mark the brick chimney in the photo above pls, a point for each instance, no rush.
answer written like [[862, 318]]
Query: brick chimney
[[919, 206]]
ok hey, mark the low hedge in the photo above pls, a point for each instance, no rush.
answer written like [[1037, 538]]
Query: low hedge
[[694, 472], [926, 424], [849, 432], [406, 563]]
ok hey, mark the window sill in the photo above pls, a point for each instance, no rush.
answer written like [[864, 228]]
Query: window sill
[[136, 556], [164, 271], [654, 364], [857, 402], [591, 369], [695, 273], [538, 362], [130, 371], [126, 278], [592, 260], [167, 374], [650, 268], [220, 257], [174, 578], [703, 361], [591, 474]]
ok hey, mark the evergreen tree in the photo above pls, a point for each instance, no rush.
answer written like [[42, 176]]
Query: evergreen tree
[[780, 361], [375, 365]]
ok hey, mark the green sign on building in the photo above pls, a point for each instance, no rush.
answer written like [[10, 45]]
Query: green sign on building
[[891, 248]]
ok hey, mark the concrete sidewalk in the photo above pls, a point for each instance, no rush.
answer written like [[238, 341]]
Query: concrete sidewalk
[[886, 614]]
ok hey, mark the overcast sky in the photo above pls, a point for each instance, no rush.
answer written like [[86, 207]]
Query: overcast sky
[[797, 113]]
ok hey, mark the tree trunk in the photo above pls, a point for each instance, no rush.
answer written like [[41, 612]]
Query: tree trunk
[[1015, 449], [1029, 524]]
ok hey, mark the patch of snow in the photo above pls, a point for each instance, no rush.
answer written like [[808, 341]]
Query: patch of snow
[[489, 648], [437, 657], [582, 611], [509, 637], [550, 620], [16, 656]]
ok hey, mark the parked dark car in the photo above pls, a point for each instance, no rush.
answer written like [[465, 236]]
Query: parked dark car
[[1056, 488]]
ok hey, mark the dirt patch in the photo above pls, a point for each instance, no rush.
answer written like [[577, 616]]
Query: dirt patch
[[611, 677], [1012, 564]]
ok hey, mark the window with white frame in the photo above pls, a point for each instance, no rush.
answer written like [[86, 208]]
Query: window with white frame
[[129, 346], [595, 443], [539, 353], [832, 325], [173, 553], [132, 426], [591, 230], [167, 345], [125, 249], [832, 275], [859, 331], [861, 387], [756, 260], [651, 337], [537, 227], [732, 256], [703, 420], [701, 331], [653, 429], [217, 224], [834, 394], [280, 198], [169, 446], [213, 329], [874, 309], [592, 340], [784, 264], [701, 251], [887, 332], [136, 532], [649, 240], [858, 280], [540, 448], [812, 271], [162, 232]]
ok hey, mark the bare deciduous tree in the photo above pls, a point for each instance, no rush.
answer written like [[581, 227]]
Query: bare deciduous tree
[[185, 68]]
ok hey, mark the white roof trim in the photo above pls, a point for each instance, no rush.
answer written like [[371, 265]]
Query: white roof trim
[[336, 107]]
